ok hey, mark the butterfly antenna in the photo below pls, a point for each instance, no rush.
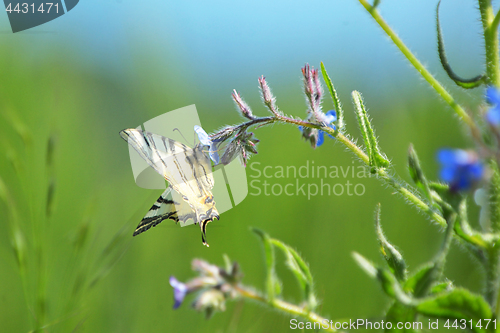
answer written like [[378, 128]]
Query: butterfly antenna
[[194, 139]]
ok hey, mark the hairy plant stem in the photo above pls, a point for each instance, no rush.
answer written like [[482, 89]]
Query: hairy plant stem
[[435, 84], [286, 307], [490, 27], [492, 263], [492, 279]]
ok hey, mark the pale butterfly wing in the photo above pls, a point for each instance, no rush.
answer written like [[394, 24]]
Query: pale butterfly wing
[[189, 173]]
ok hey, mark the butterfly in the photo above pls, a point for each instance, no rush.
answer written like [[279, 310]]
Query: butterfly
[[188, 172]]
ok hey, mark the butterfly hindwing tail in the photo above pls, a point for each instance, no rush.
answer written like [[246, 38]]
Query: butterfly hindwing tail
[[168, 206], [162, 209]]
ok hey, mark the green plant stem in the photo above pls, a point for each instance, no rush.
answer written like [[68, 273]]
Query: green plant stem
[[490, 27], [445, 95], [492, 263], [492, 278], [440, 259], [286, 307], [496, 21]]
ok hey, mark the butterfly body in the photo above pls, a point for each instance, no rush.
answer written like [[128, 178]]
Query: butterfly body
[[189, 174]]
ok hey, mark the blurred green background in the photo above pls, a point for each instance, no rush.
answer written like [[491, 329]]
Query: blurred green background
[[68, 259]]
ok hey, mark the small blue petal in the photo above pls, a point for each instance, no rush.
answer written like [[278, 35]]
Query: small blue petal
[[202, 135], [447, 174], [476, 170], [180, 291], [331, 116], [492, 95], [321, 138], [205, 140], [460, 168], [493, 115], [493, 98], [446, 156], [214, 156]]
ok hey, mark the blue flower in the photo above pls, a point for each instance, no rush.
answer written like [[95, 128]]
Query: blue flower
[[317, 137], [180, 291], [493, 98], [205, 140], [331, 116], [460, 168]]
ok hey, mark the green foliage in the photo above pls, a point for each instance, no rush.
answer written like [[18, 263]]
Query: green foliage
[[336, 102], [295, 264], [377, 159], [400, 313], [392, 256], [458, 304], [424, 292], [273, 284]]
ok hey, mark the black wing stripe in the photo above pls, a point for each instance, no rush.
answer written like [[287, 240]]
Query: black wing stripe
[[149, 222], [166, 201]]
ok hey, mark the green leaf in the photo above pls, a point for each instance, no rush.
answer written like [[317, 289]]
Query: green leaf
[[464, 230], [228, 265], [440, 188], [273, 285], [377, 159], [458, 304], [416, 172], [365, 265], [388, 281], [400, 313], [301, 271], [464, 83], [441, 287], [392, 256], [421, 282], [335, 98]]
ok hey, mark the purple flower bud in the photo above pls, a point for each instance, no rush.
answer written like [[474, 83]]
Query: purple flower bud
[[204, 268], [313, 91], [268, 97], [308, 81], [244, 108]]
